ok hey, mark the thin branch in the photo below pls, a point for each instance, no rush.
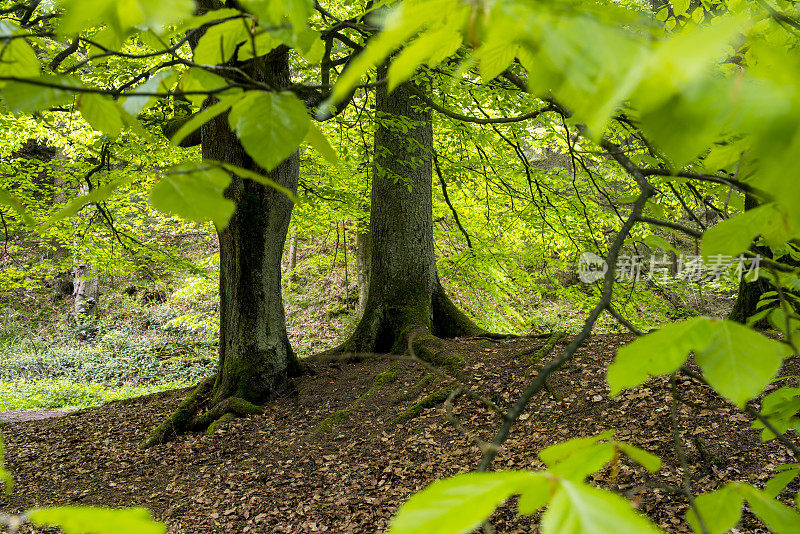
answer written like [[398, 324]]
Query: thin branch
[[476, 120], [608, 285], [447, 200]]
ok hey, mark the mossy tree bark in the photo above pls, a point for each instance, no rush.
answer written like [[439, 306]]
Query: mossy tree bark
[[256, 361], [404, 295]]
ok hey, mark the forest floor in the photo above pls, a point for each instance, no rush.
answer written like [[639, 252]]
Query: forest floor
[[344, 451]]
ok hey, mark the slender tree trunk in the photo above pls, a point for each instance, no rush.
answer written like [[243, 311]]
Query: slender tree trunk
[[363, 256], [63, 281], [292, 260], [86, 287], [404, 294], [749, 291]]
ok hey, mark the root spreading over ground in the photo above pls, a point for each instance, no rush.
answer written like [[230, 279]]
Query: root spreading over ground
[[275, 471]]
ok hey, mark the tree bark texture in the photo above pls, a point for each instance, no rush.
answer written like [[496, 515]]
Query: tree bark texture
[[256, 360], [404, 291]]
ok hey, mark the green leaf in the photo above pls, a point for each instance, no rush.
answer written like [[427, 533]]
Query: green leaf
[[158, 82], [780, 408], [679, 7], [220, 41], [274, 12], [577, 508], [738, 362], [654, 241], [590, 66], [733, 236], [101, 113], [431, 48], [123, 16], [270, 126], [683, 104], [778, 483], [27, 97], [194, 191], [19, 60], [588, 461], [202, 117], [579, 457], [197, 79], [778, 517], [259, 178], [401, 24], [535, 495], [319, 141], [258, 46], [94, 520], [11, 201], [649, 461], [661, 352], [461, 503], [720, 510], [562, 451]]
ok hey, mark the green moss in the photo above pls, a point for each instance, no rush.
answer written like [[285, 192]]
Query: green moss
[[381, 380], [548, 345], [425, 381], [338, 416], [240, 406], [216, 425], [421, 384], [434, 399], [432, 350]]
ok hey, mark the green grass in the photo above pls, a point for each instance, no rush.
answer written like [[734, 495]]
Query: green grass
[[67, 394]]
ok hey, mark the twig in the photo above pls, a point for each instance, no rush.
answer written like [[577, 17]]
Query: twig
[[608, 284]]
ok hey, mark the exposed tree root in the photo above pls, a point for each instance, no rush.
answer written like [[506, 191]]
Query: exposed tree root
[[185, 416], [182, 416], [213, 427], [429, 401], [433, 350], [230, 405], [341, 415]]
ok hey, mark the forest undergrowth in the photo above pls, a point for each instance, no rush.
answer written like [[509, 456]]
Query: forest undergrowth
[[156, 335]]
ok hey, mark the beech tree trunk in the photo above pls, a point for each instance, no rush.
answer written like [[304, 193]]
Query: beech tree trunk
[[404, 292], [292, 260], [256, 360], [86, 291]]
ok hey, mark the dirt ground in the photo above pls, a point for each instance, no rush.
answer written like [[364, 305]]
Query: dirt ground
[[18, 416], [343, 452]]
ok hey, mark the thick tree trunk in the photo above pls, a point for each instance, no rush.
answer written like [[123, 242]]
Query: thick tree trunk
[[256, 361], [404, 292]]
